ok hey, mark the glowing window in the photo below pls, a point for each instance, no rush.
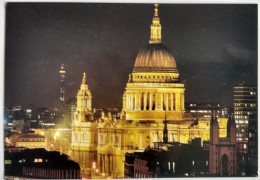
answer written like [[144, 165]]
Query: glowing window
[[37, 160], [8, 161]]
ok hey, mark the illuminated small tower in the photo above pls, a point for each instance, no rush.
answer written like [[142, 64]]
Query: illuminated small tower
[[84, 129], [165, 131], [62, 89], [222, 151], [156, 28]]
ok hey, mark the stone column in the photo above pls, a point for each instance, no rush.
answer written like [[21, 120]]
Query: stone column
[[98, 162], [136, 101], [151, 100], [106, 164], [156, 101], [140, 100], [103, 163], [132, 101], [167, 102], [124, 139], [177, 101], [182, 101], [172, 101], [110, 164], [145, 100], [127, 101], [161, 100]]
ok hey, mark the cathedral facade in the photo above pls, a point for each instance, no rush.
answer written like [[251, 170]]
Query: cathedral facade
[[153, 93], [222, 151]]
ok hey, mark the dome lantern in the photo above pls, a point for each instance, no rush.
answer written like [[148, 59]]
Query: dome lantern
[[155, 56], [156, 28]]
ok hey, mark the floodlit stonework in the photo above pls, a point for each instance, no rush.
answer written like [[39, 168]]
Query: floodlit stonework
[[153, 93]]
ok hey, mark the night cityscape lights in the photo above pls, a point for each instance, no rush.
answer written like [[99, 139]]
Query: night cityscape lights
[[155, 133]]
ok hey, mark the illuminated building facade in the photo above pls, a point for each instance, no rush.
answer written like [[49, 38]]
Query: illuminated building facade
[[62, 89], [28, 140], [205, 110], [245, 108], [153, 93], [84, 130]]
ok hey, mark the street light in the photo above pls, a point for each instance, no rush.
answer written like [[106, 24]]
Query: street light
[[94, 165], [57, 133]]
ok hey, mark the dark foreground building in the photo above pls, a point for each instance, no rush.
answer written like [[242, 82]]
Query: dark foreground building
[[168, 160], [40, 164]]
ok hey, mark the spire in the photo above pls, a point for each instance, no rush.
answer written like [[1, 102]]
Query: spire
[[84, 78], [165, 131], [228, 124], [156, 9], [156, 28], [214, 128], [212, 116], [231, 127]]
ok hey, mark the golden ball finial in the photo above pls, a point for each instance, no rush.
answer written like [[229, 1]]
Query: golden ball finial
[[156, 9], [84, 78]]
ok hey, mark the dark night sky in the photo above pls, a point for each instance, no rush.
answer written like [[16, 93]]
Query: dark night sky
[[215, 47]]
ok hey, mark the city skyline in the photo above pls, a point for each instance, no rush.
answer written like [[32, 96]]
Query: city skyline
[[214, 47], [187, 54]]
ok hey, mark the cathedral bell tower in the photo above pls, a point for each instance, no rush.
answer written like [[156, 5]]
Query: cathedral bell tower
[[222, 151], [84, 129], [84, 99]]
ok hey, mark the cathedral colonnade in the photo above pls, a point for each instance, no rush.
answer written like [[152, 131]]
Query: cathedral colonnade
[[154, 100]]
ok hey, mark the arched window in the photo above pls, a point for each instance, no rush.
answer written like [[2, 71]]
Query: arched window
[[224, 165]]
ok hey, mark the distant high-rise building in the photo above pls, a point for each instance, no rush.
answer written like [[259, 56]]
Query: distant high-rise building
[[204, 110], [245, 106], [62, 89]]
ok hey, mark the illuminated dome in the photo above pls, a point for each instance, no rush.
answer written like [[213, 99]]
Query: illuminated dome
[[155, 57]]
